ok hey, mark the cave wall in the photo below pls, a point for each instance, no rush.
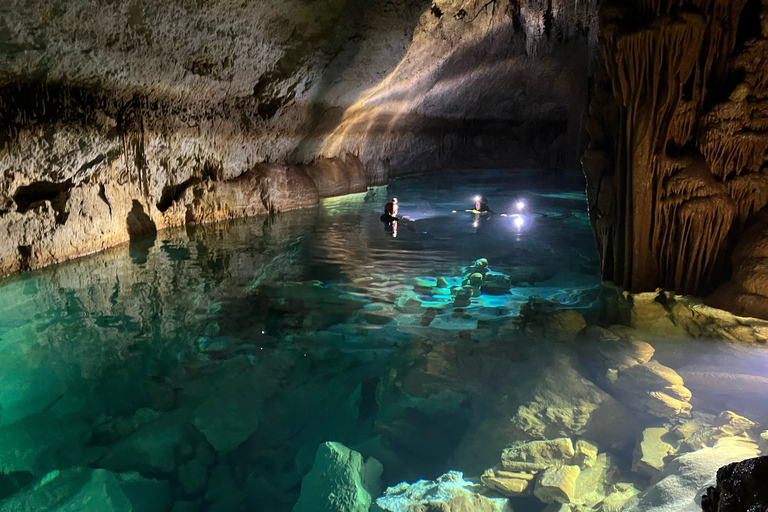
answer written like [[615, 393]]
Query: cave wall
[[676, 166], [119, 117]]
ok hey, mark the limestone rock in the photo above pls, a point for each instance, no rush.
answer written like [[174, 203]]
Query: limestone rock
[[557, 484], [192, 476], [649, 455], [616, 501], [684, 477], [585, 454], [593, 483], [654, 388], [536, 455], [339, 481], [733, 424], [506, 485], [449, 493], [152, 449], [86, 489]]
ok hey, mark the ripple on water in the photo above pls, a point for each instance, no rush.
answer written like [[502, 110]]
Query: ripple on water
[[215, 359]]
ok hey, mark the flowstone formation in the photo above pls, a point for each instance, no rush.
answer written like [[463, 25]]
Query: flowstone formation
[[677, 157], [121, 118]]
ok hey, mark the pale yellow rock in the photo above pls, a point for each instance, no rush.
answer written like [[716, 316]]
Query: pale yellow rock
[[679, 392], [763, 442], [557, 484], [616, 501], [525, 467], [649, 455], [664, 406], [733, 424], [540, 453], [595, 479], [509, 474], [504, 486], [585, 454], [687, 429], [650, 316]]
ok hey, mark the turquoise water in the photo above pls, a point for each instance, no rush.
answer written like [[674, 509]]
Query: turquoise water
[[215, 359]]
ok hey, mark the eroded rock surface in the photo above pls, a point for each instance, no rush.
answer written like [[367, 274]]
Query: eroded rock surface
[[120, 118], [676, 163]]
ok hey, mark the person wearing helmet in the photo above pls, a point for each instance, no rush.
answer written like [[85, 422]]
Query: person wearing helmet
[[481, 205], [390, 211]]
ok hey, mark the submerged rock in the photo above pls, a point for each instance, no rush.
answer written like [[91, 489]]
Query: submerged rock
[[339, 481], [652, 387], [449, 493], [557, 484], [83, 489], [685, 476], [650, 453]]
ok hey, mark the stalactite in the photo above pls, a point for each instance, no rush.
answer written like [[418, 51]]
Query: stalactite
[[686, 166]]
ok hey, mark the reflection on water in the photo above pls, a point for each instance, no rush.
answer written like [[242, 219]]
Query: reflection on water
[[214, 360]]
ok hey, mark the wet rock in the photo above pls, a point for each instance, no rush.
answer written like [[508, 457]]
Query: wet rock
[[152, 448], [585, 454], [86, 489], [740, 486], [684, 476], [650, 453], [654, 388], [449, 493], [648, 314], [732, 424], [496, 284], [339, 481], [616, 501], [537, 455], [595, 482], [618, 349], [192, 476], [507, 483], [563, 401], [557, 484], [185, 506]]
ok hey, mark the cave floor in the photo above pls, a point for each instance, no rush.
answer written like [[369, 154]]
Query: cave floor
[[213, 360]]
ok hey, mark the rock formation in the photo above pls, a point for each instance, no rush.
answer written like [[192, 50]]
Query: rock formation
[[677, 156], [120, 118]]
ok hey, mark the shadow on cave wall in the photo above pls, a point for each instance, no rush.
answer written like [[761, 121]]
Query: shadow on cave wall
[[142, 233], [348, 29]]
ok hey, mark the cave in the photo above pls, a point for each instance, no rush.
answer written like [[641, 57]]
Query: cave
[[383, 255]]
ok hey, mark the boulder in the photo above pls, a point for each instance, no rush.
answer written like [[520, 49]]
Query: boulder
[[152, 449], [506, 483], [449, 493], [83, 489], [654, 388], [594, 482], [618, 348], [339, 481], [585, 454], [616, 501], [649, 455], [733, 424], [740, 486], [557, 484], [537, 455], [684, 477]]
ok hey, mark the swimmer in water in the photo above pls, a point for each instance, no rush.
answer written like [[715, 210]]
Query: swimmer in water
[[481, 205], [390, 211]]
